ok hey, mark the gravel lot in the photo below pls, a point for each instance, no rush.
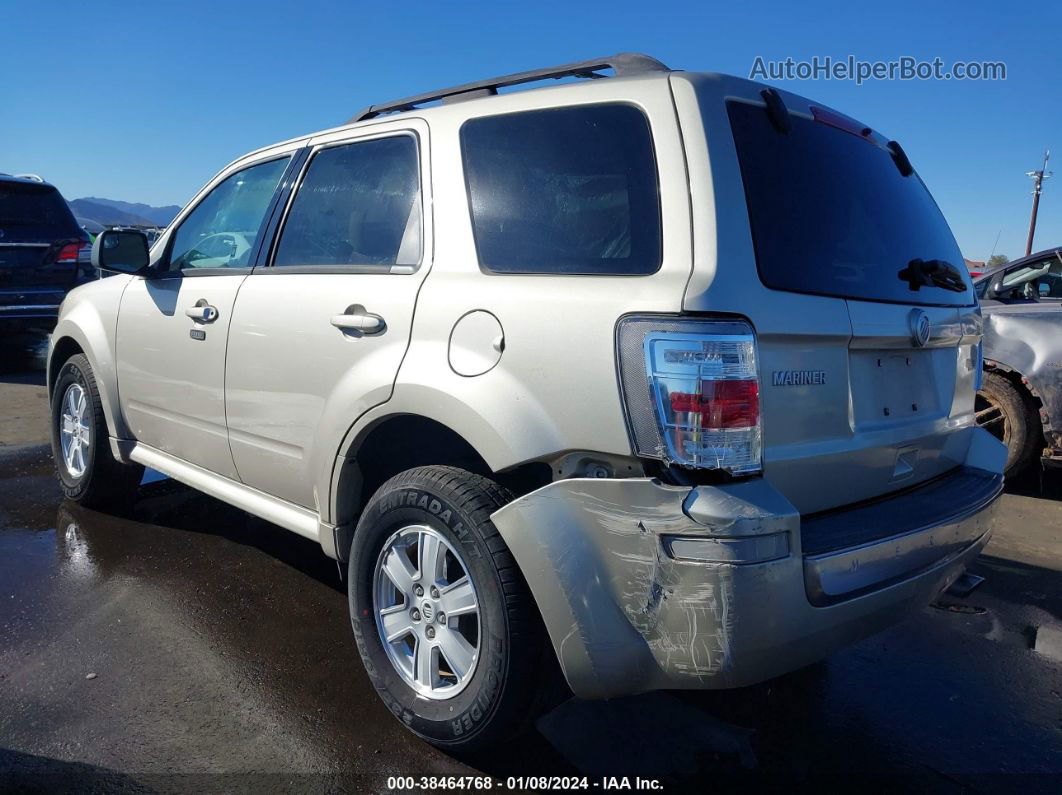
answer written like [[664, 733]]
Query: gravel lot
[[185, 644]]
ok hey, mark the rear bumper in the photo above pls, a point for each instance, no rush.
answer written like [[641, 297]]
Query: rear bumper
[[878, 544], [645, 586], [36, 307], [20, 311], [31, 303], [28, 318]]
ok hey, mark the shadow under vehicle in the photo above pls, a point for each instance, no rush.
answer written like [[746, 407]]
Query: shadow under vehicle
[[1021, 399]]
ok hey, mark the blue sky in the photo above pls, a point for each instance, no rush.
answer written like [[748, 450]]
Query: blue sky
[[145, 101]]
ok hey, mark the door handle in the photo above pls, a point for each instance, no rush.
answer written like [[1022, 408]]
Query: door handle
[[202, 312], [357, 319]]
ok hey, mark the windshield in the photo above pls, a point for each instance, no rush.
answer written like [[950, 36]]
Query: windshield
[[34, 212], [831, 214]]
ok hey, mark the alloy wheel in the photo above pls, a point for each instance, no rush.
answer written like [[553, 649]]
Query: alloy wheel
[[427, 612], [75, 434]]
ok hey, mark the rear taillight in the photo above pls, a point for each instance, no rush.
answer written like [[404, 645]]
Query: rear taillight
[[696, 401], [69, 252], [720, 404]]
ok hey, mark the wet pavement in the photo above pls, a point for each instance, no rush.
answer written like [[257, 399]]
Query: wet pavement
[[186, 645]]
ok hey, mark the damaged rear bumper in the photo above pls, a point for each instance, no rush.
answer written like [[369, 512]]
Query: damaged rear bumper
[[645, 586]]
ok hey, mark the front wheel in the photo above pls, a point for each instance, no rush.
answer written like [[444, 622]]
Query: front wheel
[[86, 470], [446, 627]]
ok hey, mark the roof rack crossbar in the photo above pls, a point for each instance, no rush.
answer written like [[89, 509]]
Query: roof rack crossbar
[[623, 64]]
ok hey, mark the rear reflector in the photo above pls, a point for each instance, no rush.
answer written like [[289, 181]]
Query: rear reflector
[[734, 549], [979, 365]]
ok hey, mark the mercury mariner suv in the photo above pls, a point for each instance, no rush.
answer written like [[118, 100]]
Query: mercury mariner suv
[[667, 376]]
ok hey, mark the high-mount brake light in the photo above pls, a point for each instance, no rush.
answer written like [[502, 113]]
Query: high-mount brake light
[[696, 402], [841, 122]]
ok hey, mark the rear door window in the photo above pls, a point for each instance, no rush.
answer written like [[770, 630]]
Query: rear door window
[[831, 214], [565, 190], [32, 212]]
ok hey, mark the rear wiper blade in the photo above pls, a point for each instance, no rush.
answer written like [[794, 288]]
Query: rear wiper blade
[[932, 273]]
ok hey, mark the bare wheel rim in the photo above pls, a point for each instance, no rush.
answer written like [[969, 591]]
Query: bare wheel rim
[[991, 416], [75, 434], [427, 612]]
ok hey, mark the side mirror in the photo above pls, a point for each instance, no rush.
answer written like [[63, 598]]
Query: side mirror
[[121, 250], [995, 286]]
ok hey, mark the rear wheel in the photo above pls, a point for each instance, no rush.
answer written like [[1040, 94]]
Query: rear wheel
[[86, 470], [1003, 411], [445, 624]]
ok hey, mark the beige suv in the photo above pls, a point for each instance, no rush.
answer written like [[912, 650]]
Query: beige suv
[[667, 376]]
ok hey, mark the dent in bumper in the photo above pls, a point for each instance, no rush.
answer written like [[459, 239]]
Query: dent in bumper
[[625, 617]]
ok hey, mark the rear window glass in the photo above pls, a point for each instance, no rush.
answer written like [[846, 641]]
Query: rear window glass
[[832, 215], [34, 212], [566, 190]]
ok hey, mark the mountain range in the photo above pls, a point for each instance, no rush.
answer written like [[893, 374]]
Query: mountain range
[[110, 212]]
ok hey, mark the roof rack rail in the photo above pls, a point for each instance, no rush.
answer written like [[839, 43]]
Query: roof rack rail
[[623, 64]]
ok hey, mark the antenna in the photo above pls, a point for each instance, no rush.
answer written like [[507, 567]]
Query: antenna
[[1038, 178], [1000, 232]]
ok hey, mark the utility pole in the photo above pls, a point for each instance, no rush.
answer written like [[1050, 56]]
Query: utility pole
[[1038, 178]]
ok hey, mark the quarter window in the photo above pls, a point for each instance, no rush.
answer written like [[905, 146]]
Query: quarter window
[[358, 205], [565, 190], [221, 231]]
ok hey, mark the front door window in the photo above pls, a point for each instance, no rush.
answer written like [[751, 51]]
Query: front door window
[[221, 231]]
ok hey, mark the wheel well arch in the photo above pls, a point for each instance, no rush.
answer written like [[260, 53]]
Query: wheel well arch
[[399, 442], [62, 349]]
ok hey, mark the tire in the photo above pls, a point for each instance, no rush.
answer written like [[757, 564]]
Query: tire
[[499, 687], [1007, 414], [91, 477]]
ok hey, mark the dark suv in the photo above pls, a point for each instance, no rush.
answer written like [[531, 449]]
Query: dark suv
[[43, 254]]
